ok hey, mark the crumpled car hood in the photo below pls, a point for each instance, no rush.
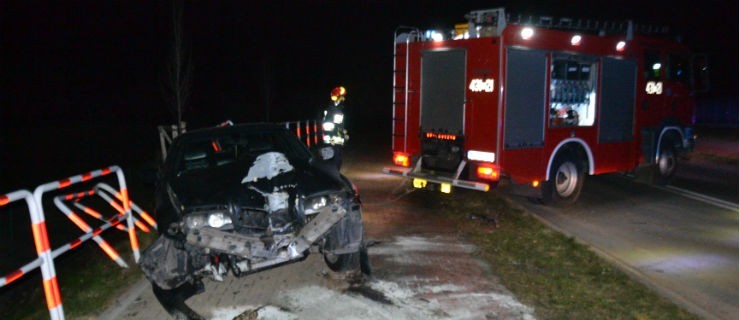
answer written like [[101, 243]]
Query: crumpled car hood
[[224, 185]]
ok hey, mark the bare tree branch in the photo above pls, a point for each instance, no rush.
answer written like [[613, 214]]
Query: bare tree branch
[[177, 79]]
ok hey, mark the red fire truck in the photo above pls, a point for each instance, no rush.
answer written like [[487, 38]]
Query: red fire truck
[[539, 102]]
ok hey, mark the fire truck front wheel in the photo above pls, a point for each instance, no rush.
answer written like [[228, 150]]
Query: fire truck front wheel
[[566, 178], [666, 164]]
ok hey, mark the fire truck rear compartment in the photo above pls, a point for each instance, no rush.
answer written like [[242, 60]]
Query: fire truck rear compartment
[[441, 155], [442, 91], [442, 108]]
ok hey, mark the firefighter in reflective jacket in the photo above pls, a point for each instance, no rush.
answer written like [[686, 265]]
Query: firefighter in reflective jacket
[[334, 134], [333, 119]]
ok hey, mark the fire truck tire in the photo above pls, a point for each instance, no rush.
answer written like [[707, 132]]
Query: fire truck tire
[[666, 164], [566, 178]]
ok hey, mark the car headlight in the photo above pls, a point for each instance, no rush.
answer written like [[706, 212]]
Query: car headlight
[[313, 205], [214, 220]]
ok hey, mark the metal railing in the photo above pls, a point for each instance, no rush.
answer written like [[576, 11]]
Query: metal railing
[[167, 135], [308, 131]]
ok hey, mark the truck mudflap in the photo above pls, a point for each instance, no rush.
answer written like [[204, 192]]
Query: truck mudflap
[[421, 179]]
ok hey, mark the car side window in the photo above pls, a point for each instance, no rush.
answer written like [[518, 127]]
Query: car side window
[[193, 156]]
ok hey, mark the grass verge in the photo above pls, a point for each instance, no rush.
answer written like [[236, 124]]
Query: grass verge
[[560, 277]]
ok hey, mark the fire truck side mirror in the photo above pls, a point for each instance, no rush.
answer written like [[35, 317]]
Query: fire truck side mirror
[[700, 79]]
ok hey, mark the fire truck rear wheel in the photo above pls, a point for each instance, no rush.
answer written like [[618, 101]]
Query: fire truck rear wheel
[[566, 178]]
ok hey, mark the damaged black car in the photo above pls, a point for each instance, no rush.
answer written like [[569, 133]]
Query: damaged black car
[[244, 198]]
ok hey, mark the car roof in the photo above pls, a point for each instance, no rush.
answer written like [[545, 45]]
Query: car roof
[[243, 127]]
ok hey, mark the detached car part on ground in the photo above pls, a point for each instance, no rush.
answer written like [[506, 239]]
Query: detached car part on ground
[[242, 199]]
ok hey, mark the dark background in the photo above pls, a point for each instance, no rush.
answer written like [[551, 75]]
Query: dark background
[[80, 81]]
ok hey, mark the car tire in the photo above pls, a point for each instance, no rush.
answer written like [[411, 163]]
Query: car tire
[[342, 262], [566, 179], [173, 300]]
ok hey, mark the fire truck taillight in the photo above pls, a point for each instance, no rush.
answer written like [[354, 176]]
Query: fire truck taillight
[[488, 172], [401, 159], [527, 33], [441, 136]]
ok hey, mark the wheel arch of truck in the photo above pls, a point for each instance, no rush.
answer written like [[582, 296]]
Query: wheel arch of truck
[[576, 141], [671, 131]]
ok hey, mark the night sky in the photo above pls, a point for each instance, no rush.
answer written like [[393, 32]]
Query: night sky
[[79, 76]]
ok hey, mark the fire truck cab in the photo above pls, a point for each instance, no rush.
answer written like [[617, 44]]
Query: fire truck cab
[[541, 102]]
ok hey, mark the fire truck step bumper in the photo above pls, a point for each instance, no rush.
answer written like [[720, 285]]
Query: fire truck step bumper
[[404, 172]]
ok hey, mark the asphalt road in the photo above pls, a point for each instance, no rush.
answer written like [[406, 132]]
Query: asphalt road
[[715, 179], [685, 249]]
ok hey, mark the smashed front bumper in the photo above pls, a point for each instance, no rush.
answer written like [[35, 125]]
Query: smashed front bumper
[[170, 264], [278, 249]]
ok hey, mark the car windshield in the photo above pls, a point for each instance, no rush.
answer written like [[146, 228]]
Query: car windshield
[[237, 147]]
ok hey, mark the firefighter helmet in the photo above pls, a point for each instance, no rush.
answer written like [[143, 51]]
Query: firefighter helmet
[[337, 94]]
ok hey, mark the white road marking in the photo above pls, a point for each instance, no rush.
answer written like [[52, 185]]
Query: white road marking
[[701, 197]]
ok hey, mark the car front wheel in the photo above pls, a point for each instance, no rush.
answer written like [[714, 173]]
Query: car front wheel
[[342, 262]]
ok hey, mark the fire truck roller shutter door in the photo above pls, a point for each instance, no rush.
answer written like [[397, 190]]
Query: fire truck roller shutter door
[[443, 86], [618, 96], [526, 72]]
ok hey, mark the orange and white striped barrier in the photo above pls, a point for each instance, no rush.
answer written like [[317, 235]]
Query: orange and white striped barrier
[[113, 221], [95, 214], [46, 255], [143, 214], [64, 183], [45, 260], [306, 130], [112, 253], [122, 210]]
